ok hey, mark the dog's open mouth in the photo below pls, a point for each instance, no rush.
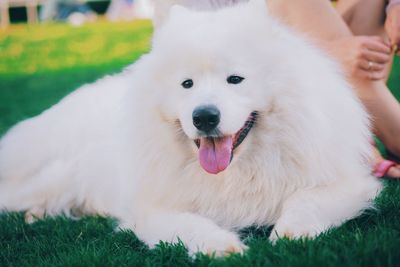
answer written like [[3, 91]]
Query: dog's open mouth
[[215, 153]]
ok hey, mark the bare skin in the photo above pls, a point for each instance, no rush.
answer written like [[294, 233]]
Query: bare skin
[[362, 41], [367, 18], [392, 27]]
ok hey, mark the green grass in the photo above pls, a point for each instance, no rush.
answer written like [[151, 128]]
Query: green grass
[[41, 64], [50, 47]]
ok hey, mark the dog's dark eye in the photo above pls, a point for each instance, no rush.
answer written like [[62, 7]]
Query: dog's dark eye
[[187, 84], [233, 79]]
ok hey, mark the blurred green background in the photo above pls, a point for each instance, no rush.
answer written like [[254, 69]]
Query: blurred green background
[[29, 49], [41, 63]]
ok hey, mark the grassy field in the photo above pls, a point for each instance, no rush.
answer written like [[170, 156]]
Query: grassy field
[[41, 64]]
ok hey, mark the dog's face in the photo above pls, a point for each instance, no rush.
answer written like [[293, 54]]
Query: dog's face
[[216, 86]]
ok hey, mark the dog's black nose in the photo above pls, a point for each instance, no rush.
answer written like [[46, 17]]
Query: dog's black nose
[[206, 118]]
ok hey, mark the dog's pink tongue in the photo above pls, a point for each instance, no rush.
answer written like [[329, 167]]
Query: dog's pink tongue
[[215, 153]]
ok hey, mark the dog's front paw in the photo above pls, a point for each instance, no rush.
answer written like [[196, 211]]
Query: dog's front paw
[[220, 243], [294, 231], [34, 214]]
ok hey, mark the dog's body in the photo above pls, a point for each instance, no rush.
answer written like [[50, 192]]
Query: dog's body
[[128, 145]]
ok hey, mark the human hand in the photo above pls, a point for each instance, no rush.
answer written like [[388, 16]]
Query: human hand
[[392, 27], [362, 56]]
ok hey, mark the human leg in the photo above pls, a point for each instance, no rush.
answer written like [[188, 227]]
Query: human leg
[[365, 17]]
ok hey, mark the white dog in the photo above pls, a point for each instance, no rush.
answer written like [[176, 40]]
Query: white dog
[[230, 121]]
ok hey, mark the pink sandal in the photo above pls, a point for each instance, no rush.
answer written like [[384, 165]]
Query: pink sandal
[[381, 168]]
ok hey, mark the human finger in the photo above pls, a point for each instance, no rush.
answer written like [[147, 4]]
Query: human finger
[[396, 50], [376, 56], [381, 40], [395, 37], [371, 66], [378, 46]]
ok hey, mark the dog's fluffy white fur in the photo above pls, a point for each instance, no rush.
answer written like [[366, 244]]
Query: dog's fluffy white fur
[[124, 146]]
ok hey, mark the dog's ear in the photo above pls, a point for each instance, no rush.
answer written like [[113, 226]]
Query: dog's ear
[[177, 10], [164, 9]]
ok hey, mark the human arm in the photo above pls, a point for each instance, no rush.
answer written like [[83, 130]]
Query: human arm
[[392, 23]]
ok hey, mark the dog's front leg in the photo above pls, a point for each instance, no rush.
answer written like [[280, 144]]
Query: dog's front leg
[[197, 233], [308, 212]]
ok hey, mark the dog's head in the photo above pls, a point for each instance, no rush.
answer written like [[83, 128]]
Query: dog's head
[[215, 69]]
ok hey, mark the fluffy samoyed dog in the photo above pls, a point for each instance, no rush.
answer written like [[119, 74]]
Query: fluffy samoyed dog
[[231, 120]]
